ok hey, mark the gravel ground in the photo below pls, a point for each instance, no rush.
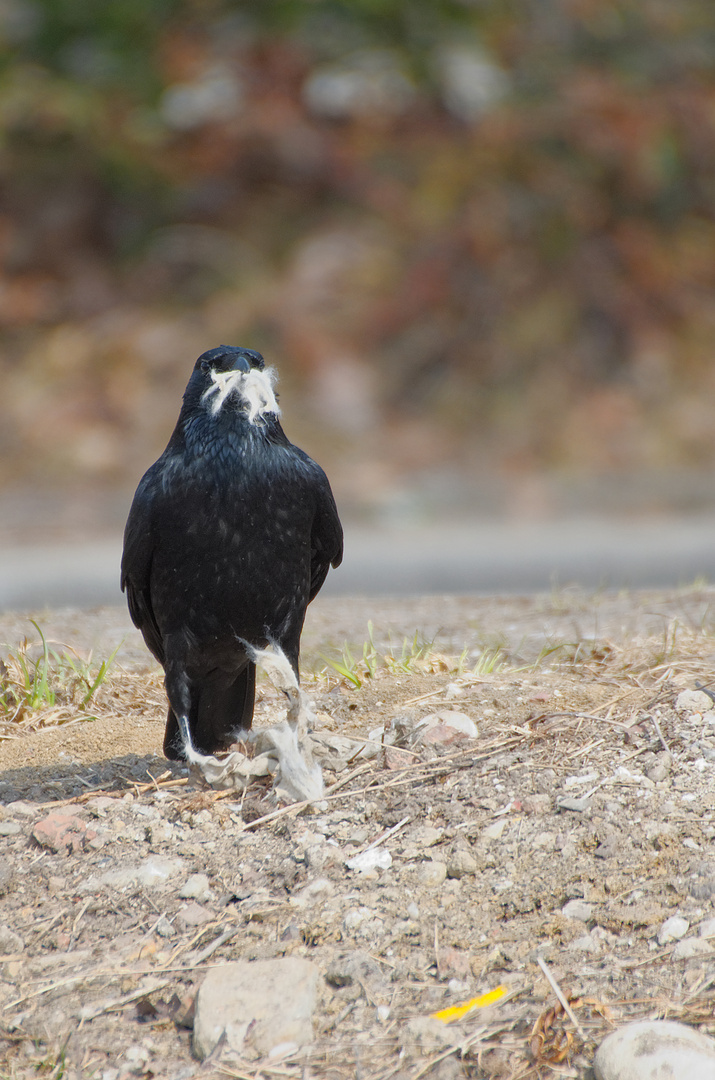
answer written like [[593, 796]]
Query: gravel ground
[[574, 833]]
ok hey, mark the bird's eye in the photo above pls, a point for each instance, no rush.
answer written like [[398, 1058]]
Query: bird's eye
[[205, 365]]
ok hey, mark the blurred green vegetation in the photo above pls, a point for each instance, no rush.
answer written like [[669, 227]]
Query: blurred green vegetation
[[472, 234]]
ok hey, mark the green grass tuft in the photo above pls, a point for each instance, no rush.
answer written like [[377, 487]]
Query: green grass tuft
[[30, 683], [411, 655]]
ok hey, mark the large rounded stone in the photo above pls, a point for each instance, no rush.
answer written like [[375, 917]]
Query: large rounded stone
[[256, 1005], [656, 1050]]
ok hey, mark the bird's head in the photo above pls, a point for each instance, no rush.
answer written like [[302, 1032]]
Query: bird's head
[[239, 376]]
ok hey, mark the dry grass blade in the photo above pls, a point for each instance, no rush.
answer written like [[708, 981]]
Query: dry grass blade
[[213, 947], [91, 1013], [67, 981], [583, 716], [560, 995]]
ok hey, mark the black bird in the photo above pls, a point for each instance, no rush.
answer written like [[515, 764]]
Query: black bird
[[229, 537]]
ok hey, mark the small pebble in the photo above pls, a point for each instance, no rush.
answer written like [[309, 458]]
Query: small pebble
[[164, 928], [153, 872], [10, 942], [457, 721], [461, 864], [195, 888], [693, 701], [355, 917], [372, 859], [609, 848], [707, 928], [494, 831], [586, 944], [576, 805], [160, 832], [21, 809], [577, 909], [427, 836], [689, 948], [194, 915], [673, 929], [316, 891], [433, 873], [63, 831], [658, 773], [579, 781]]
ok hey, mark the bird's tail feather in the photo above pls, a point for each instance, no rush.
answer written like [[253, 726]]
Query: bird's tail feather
[[219, 713]]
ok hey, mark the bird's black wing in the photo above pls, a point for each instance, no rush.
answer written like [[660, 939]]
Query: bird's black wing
[[326, 539], [137, 559]]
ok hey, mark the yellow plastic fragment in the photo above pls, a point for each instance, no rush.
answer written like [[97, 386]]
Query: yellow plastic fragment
[[456, 1012]]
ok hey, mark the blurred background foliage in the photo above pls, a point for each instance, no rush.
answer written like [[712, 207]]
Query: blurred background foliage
[[477, 237]]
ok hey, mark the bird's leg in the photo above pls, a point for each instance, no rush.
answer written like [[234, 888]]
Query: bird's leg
[[179, 693], [191, 755]]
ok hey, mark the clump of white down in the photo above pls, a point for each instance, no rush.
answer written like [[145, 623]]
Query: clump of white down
[[253, 387], [281, 750]]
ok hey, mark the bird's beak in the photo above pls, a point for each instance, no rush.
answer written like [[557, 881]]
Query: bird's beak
[[241, 364]]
